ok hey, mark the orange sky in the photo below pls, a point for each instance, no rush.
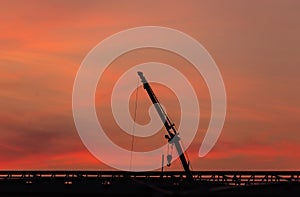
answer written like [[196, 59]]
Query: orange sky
[[254, 43]]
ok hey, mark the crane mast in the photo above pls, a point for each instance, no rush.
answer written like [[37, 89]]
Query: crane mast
[[172, 135]]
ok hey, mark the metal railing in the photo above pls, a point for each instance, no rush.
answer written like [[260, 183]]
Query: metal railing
[[233, 178]]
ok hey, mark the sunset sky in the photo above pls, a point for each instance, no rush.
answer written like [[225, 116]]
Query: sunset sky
[[255, 44]]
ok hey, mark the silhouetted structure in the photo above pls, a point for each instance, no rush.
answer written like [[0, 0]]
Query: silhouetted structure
[[173, 135], [111, 183]]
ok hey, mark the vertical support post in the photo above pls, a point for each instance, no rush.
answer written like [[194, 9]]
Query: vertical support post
[[162, 164]]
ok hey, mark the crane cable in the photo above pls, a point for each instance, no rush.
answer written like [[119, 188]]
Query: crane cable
[[134, 123]]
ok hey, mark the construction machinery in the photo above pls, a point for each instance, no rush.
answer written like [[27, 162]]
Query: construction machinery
[[172, 134]]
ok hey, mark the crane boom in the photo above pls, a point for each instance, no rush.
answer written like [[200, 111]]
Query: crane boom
[[172, 136]]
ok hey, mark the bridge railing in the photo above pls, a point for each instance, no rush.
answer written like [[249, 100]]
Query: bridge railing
[[234, 178]]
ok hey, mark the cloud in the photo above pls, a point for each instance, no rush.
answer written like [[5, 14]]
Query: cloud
[[42, 44]]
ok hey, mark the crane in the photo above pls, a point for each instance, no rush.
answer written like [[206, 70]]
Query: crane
[[172, 136]]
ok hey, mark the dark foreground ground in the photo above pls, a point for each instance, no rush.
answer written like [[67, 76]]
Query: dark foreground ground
[[96, 183]]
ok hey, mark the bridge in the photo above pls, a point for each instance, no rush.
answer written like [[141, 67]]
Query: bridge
[[168, 183]]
